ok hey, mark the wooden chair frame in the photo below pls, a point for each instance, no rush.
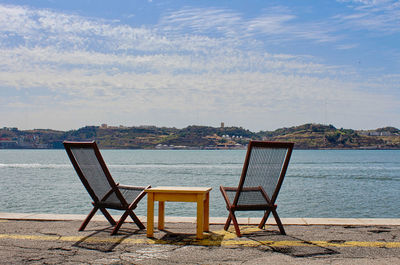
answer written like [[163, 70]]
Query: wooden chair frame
[[100, 203], [269, 206]]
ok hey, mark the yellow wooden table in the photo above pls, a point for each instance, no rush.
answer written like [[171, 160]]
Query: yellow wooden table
[[201, 195]]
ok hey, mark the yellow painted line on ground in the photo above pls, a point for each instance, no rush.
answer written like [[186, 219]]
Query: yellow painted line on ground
[[205, 242], [77, 239]]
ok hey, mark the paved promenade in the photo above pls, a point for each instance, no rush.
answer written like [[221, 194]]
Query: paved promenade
[[54, 239]]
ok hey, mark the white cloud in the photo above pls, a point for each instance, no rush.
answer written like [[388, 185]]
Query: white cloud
[[347, 46], [275, 24], [70, 32], [377, 15], [201, 20]]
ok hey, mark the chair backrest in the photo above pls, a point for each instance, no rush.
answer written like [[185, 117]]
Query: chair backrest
[[264, 167], [91, 169]]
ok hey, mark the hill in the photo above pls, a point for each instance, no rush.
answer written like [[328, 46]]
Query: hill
[[317, 136], [306, 136]]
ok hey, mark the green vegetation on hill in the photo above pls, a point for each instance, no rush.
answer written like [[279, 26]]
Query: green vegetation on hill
[[317, 136], [306, 136]]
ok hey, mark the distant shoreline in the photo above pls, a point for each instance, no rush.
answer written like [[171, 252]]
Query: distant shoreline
[[211, 149], [306, 137]]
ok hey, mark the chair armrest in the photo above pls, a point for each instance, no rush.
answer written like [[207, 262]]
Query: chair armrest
[[128, 187], [229, 188]]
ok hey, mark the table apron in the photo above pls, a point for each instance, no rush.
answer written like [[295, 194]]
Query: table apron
[[179, 197]]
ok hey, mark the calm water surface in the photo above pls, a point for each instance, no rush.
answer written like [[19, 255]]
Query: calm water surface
[[319, 183]]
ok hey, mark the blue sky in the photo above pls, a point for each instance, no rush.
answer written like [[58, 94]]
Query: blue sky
[[261, 65]]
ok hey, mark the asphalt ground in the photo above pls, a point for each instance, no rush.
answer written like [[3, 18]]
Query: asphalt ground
[[24, 241]]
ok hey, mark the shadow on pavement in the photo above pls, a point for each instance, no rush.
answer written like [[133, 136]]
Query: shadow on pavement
[[92, 241], [269, 238]]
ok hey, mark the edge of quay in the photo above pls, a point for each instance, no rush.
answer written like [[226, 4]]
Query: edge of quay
[[213, 220]]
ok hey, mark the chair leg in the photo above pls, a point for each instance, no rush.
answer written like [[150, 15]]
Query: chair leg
[[264, 219], [120, 222], [108, 216], [123, 218], [88, 218], [228, 222], [136, 220], [278, 222], [235, 223]]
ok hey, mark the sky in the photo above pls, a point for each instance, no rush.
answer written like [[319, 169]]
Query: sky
[[261, 65]]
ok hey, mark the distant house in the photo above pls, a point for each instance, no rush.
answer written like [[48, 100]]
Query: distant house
[[375, 133], [229, 146]]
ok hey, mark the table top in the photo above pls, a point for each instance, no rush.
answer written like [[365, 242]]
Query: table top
[[179, 189]]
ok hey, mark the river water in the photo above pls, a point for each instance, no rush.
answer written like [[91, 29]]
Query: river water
[[319, 183]]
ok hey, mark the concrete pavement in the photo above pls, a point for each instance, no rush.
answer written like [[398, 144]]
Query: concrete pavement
[[51, 239]]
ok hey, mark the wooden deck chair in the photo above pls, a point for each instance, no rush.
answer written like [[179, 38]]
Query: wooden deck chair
[[105, 193], [262, 176]]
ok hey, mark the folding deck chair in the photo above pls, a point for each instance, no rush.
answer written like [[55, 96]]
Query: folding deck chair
[[106, 194], [262, 176]]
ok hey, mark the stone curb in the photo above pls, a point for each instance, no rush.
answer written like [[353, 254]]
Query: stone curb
[[213, 220]]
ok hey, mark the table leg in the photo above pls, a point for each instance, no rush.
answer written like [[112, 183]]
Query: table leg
[[161, 207], [207, 212], [200, 216], [150, 214]]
